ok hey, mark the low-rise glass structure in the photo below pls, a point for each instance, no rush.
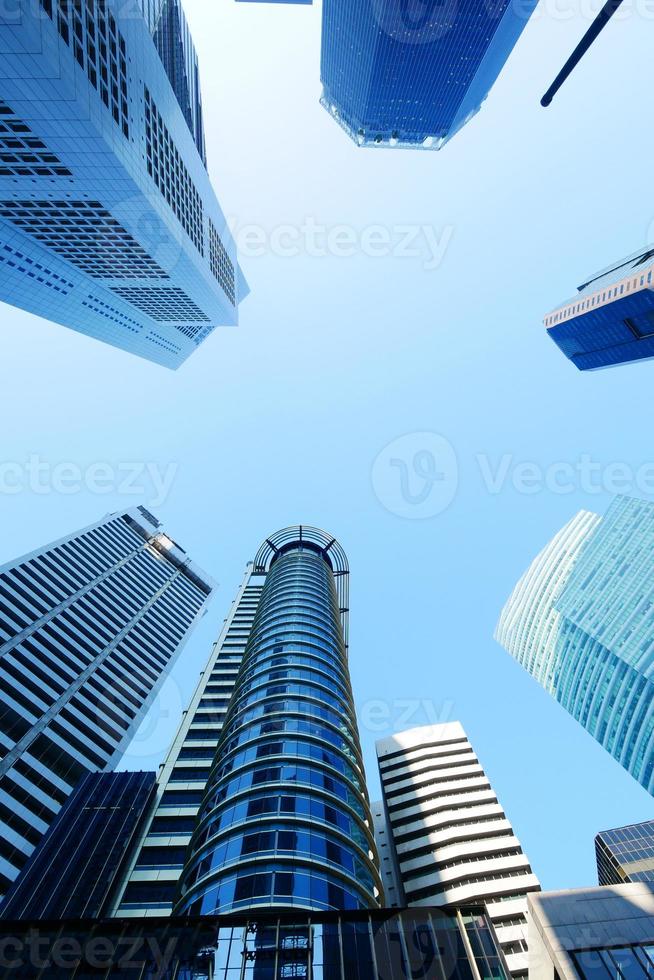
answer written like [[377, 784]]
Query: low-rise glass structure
[[626, 854], [368, 945]]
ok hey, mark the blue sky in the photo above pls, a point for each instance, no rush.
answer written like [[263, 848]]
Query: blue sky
[[340, 356]]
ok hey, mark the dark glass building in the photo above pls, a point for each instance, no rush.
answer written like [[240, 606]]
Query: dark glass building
[[367, 945], [402, 74], [626, 854], [285, 821], [76, 868], [611, 318]]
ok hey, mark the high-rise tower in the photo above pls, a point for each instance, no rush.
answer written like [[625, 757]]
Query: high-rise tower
[[89, 627], [581, 621], [445, 840], [262, 801], [404, 74], [285, 820], [108, 220], [611, 318]]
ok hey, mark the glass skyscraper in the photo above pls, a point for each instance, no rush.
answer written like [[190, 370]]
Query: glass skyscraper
[[411, 75], [77, 865], [581, 621], [108, 220], [172, 37], [626, 854], [611, 319], [444, 839], [262, 802], [89, 627]]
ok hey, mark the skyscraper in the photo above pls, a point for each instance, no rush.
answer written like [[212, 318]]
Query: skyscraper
[[283, 818], [108, 220], [90, 626], [611, 319], [581, 621], [445, 839], [77, 865], [273, 787], [626, 854], [411, 75]]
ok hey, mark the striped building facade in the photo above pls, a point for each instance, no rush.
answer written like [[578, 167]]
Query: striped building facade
[[89, 627], [445, 839]]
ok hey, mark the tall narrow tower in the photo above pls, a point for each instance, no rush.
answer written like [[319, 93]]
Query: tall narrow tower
[[89, 627], [285, 821]]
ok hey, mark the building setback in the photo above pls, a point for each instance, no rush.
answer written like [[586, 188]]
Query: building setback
[[172, 37], [626, 854], [150, 882], [445, 840], [581, 621], [394, 76], [89, 628], [108, 220], [611, 319], [75, 868]]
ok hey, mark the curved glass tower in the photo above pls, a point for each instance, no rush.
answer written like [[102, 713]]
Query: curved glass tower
[[286, 821]]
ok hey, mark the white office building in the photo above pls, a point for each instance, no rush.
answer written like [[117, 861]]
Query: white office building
[[444, 839]]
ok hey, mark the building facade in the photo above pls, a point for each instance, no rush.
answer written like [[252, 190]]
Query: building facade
[[626, 854], [397, 77], [151, 878], [108, 221], [362, 945], [445, 840], [581, 621], [90, 626], [611, 319], [78, 864], [172, 37], [271, 726], [592, 933], [285, 821]]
